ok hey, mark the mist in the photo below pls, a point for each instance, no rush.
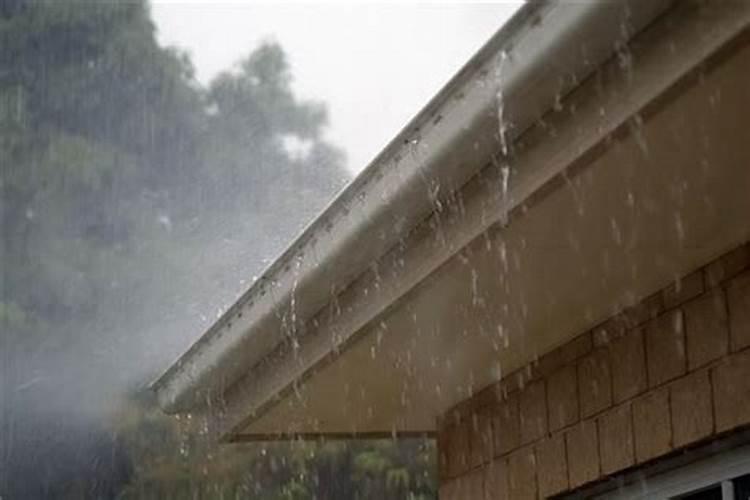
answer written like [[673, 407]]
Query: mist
[[136, 203], [147, 181]]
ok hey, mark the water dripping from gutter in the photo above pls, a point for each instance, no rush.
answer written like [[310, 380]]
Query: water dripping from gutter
[[502, 123]]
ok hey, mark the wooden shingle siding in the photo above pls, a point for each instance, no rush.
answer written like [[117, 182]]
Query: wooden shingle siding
[[670, 372]]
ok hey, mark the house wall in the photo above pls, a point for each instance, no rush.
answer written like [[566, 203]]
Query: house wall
[[671, 372]]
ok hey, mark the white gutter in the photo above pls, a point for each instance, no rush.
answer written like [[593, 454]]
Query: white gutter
[[535, 59]]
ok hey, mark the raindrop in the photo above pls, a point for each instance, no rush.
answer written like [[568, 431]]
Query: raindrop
[[679, 226], [636, 129], [557, 105], [625, 60], [504, 170], [504, 256], [502, 122], [476, 300], [504, 180], [616, 233]]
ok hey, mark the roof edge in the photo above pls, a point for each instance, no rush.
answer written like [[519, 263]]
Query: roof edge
[[538, 56]]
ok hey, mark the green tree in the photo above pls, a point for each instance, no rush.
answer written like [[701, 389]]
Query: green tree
[[134, 201]]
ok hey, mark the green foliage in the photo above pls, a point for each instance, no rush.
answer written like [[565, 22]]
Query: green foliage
[[131, 199], [175, 457]]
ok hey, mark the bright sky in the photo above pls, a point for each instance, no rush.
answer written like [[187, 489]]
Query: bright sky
[[375, 64]]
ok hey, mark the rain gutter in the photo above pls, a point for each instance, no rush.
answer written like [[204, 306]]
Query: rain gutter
[[539, 56]]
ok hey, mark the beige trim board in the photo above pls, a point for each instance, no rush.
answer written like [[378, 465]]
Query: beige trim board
[[329, 436]]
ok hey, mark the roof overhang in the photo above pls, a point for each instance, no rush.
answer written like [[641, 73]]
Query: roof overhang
[[454, 258]]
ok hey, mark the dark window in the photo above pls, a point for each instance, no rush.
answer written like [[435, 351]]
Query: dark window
[[712, 493], [742, 488]]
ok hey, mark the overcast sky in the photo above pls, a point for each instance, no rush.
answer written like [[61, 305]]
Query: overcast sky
[[375, 64]]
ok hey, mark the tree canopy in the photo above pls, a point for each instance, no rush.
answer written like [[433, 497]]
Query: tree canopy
[[135, 203]]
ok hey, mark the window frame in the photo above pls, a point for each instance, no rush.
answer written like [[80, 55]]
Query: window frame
[[721, 468]]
